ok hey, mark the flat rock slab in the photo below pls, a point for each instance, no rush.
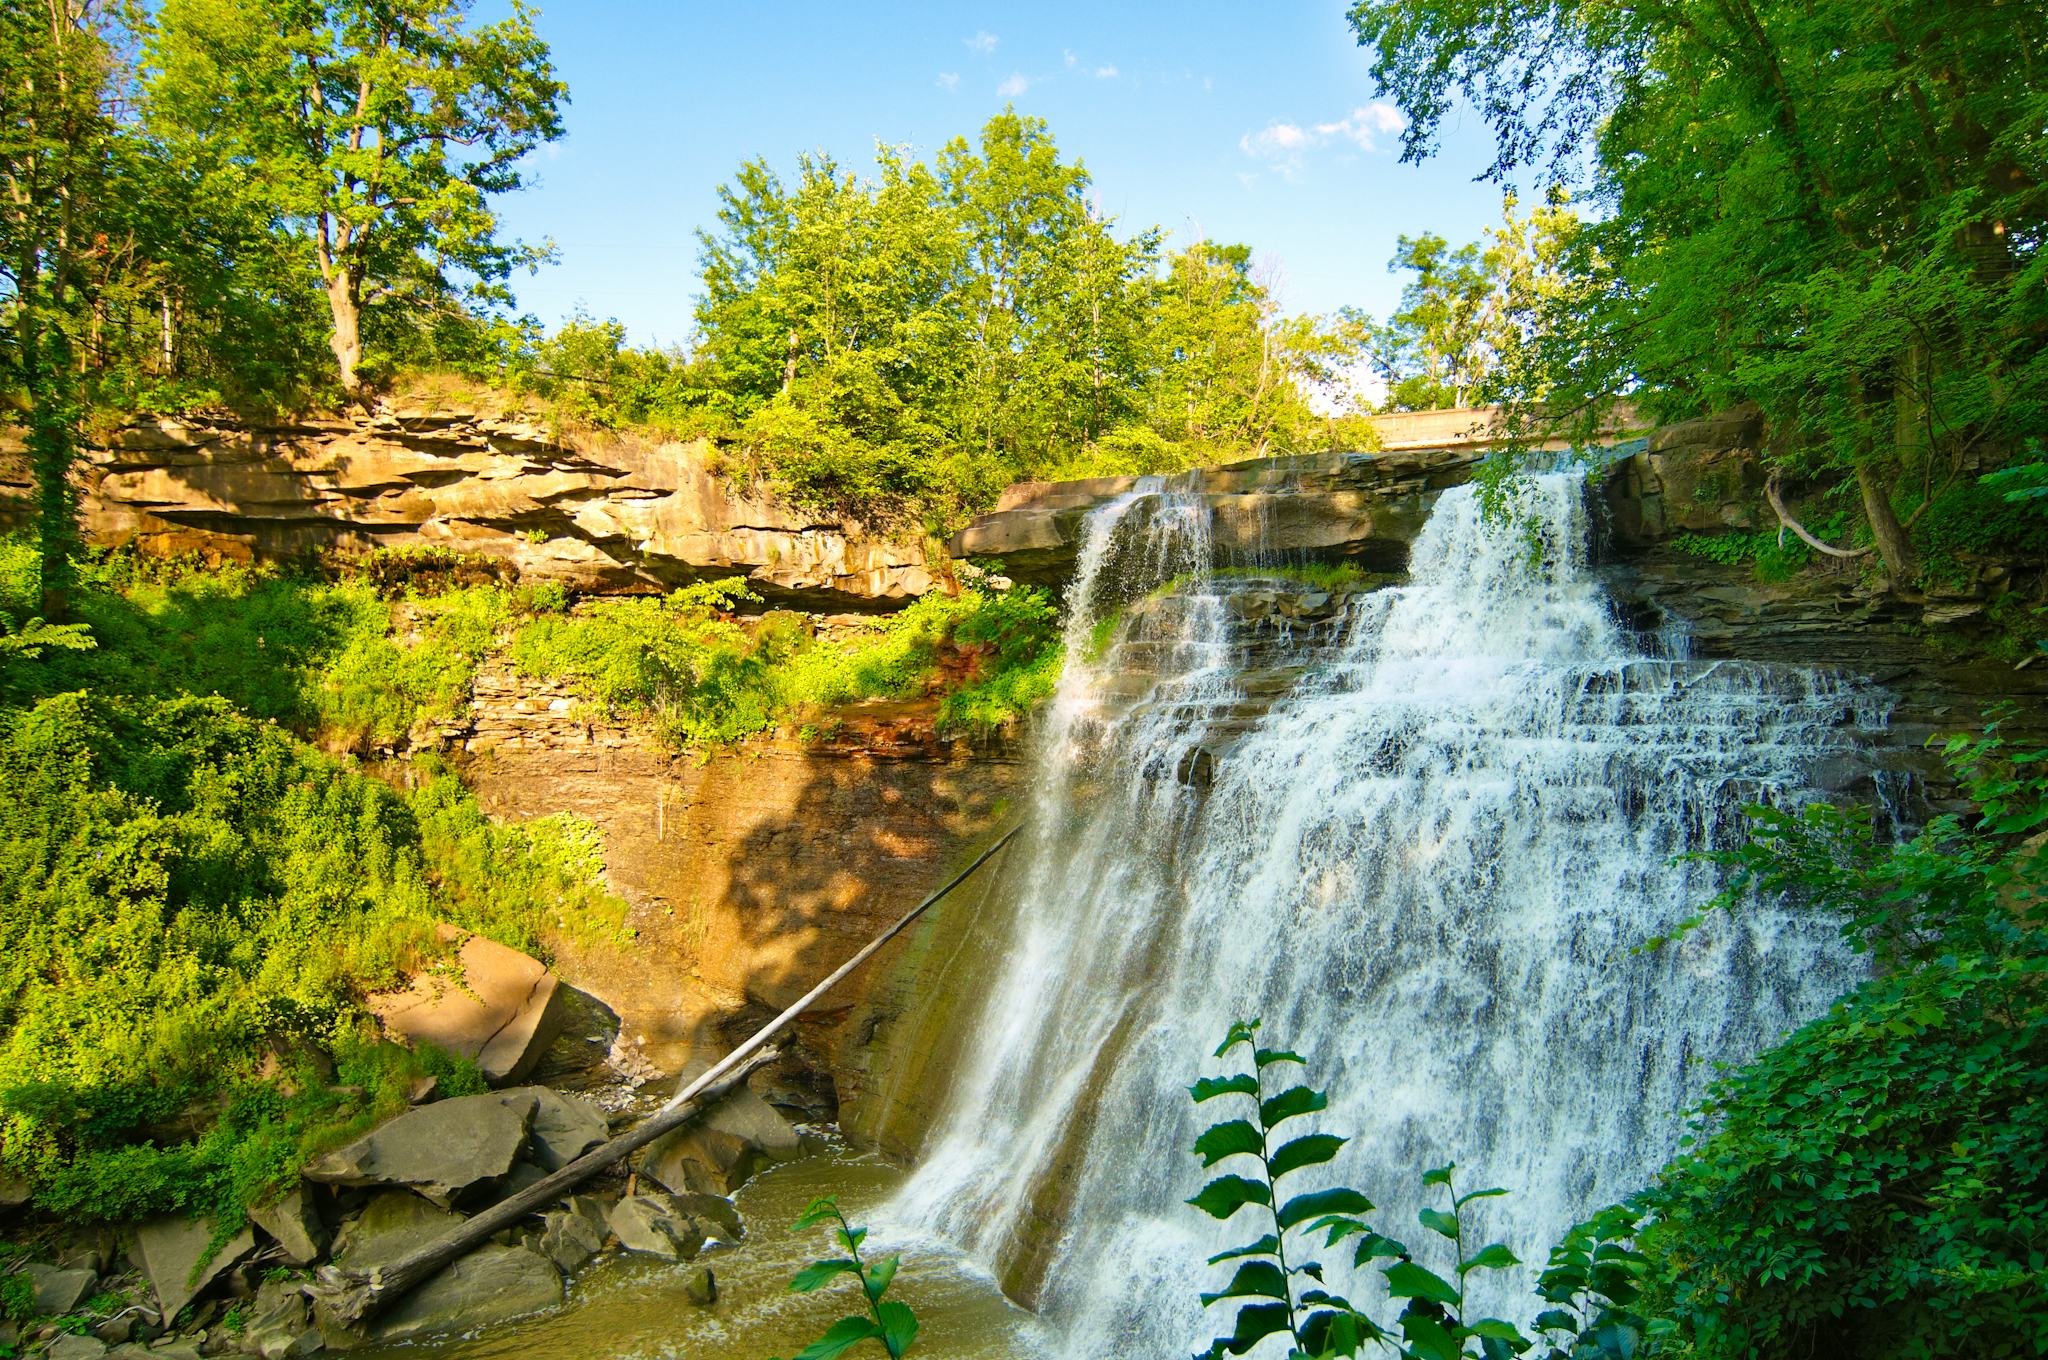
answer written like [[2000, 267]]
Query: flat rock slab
[[76, 1348], [439, 1150], [501, 1012], [564, 1127], [717, 1154], [392, 1224], [655, 1225], [59, 1291], [170, 1251], [492, 1285], [294, 1223]]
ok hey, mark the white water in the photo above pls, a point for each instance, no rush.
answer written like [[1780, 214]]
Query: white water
[[1424, 865]]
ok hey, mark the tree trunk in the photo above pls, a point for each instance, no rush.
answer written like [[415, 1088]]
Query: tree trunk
[[346, 340], [1894, 544]]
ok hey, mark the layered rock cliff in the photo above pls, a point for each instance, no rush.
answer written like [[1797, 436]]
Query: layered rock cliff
[[595, 511]]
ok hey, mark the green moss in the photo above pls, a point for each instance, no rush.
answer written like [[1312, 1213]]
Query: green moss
[[704, 678]]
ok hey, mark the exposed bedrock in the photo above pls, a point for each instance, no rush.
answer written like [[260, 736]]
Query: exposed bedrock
[[597, 511]]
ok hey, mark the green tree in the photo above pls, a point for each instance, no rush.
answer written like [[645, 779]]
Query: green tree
[[1438, 348], [58, 95], [1829, 208], [381, 132]]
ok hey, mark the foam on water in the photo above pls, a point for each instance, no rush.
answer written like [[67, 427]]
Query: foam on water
[[1424, 865]]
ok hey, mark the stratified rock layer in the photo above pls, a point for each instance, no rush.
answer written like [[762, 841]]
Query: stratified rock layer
[[599, 512]]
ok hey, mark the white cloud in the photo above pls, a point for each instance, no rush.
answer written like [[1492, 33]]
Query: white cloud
[[1067, 54], [1286, 144], [1105, 73], [1017, 84], [1366, 125], [948, 81], [981, 44]]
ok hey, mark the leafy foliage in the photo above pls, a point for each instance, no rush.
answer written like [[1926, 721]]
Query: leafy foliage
[[706, 678], [1832, 210], [1281, 1292], [912, 343], [1878, 1182], [888, 1323]]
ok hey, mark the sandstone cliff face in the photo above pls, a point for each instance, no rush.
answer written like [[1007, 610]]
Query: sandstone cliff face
[[749, 875], [599, 512]]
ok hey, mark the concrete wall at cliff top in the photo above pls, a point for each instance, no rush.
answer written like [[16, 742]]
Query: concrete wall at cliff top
[[599, 512]]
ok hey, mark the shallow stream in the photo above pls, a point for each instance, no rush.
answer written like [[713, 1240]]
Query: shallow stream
[[635, 1308]]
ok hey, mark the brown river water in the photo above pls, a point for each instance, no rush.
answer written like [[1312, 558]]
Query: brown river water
[[633, 1307]]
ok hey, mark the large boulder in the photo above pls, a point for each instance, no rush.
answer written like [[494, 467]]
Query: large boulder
[[391, 1224], [57, 1291], [76, 1348], [720, 1152], [280, 1325], [488, 1286], [501, 1010], [14, 1189], [655, 1225], [570, 1239], [440, 1150], [173, 1253], [564, 1127], [294, 1223]]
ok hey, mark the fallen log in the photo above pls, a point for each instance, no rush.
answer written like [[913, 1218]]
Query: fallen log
[[353, 1297]]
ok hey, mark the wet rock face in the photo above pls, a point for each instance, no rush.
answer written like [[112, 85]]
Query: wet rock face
[[1361, 508], [595, 512]]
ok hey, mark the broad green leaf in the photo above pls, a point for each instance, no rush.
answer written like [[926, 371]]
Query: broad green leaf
[[1239, 1033], [1429, 1338], [878, 1277], [1487, 1193], [1339, 1227], [1498, 1331], [1253, 1280], [1493, 1257], [820, 1273], [1337, 1331], [899, 1327], [1375, 1247], [1406, 1280], [1255, 1322], [1228, 1140], [1437, 1221], [852, 1238], [841, 1337], [1316, 1203], [1225, 1195], [1440, 1175], [1265, 1246], [815, 1213], [1208, 1088], [1266, 1057], [1296, 1100], [1311, 1149], [1556, 1320]]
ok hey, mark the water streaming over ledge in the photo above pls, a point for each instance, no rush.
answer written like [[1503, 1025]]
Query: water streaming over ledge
[[1420, 840]]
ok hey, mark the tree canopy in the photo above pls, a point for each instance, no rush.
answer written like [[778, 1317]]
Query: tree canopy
[[379, 132], [924, 336], [1832, 210]]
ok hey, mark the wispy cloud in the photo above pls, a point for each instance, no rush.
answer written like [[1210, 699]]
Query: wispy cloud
[[1286, 144], [948, 81], [982, 44], [1017, 84], [1074, 63]]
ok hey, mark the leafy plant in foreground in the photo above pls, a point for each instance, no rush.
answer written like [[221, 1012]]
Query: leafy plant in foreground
[[1284, 1292], [888, 1322]]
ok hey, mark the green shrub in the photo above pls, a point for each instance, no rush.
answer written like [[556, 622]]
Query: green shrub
[[705, 679], [1877, 1184], [183, 891]]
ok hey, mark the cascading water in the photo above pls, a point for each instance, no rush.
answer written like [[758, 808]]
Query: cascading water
[[1420, 840]]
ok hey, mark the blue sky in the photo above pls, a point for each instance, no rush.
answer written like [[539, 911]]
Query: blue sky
[[1241, 122]]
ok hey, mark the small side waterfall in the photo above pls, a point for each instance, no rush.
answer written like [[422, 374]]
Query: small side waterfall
[[1420, 839]]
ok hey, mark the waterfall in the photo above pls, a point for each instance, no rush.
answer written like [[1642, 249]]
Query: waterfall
[[1420, 836]]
